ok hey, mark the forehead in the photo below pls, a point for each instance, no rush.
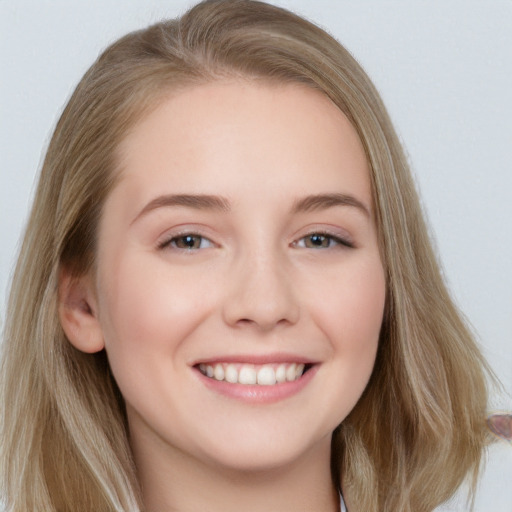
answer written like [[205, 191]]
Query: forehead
[[242, 135]]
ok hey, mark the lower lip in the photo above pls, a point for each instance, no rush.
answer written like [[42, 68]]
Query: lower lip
[[259, 394]]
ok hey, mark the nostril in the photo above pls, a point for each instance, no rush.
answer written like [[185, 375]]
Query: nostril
[[244, 322]]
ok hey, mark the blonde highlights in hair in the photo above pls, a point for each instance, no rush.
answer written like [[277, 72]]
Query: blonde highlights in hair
[[419, 428]]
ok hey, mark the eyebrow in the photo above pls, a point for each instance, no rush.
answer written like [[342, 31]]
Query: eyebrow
[[323, 201], [195, 201], [217, 203]]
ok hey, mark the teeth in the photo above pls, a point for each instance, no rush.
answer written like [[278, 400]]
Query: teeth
[[281, 373], [291, 372], [218, 372], [231, 374], [248, 374], [266, 376]]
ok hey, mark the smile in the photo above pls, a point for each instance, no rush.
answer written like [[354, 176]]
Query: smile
[[251, 374]]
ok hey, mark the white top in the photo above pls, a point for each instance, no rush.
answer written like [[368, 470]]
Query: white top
[[343, 508]]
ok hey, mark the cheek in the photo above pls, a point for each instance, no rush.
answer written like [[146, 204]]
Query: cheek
[[346, 303], [351, 304], [353, 318], [148, 310], [350, 312]]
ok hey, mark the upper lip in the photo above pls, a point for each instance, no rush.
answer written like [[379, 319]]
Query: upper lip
[[257, 359]]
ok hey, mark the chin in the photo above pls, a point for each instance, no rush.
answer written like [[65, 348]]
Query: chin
[[264, 454]]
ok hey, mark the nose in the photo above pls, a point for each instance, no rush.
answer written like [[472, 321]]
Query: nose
[[261, 294]]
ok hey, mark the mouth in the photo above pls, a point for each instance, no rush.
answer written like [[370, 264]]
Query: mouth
[[271, 374], [257, 379]]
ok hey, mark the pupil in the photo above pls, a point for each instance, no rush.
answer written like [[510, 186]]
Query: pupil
[[317, 240], [189, 241]]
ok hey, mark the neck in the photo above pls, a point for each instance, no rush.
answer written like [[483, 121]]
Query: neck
[[173, 481]]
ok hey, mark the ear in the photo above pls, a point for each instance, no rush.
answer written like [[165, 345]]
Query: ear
[[78, 312]]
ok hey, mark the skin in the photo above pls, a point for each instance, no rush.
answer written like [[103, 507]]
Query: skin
[[255, 285], [501, 425]]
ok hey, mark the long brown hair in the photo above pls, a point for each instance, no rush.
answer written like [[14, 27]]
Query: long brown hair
[[418, 430]]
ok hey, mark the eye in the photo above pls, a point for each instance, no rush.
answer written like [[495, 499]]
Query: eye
[[187, 242], [321, 241]]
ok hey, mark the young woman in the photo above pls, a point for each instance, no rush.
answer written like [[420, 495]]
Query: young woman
[[226, 296]]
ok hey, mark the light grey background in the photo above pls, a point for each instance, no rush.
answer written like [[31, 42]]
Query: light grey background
[[444, 70]]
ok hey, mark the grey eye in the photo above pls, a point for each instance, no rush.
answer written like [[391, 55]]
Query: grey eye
[[187, 242], [321, 241]]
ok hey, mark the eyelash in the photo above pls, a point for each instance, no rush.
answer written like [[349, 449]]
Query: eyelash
[[171, 242], [333, 241]]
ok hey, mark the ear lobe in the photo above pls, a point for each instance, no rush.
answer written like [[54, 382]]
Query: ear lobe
[[78, 313]]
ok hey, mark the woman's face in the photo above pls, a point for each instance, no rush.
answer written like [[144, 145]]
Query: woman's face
[[240, 290]]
